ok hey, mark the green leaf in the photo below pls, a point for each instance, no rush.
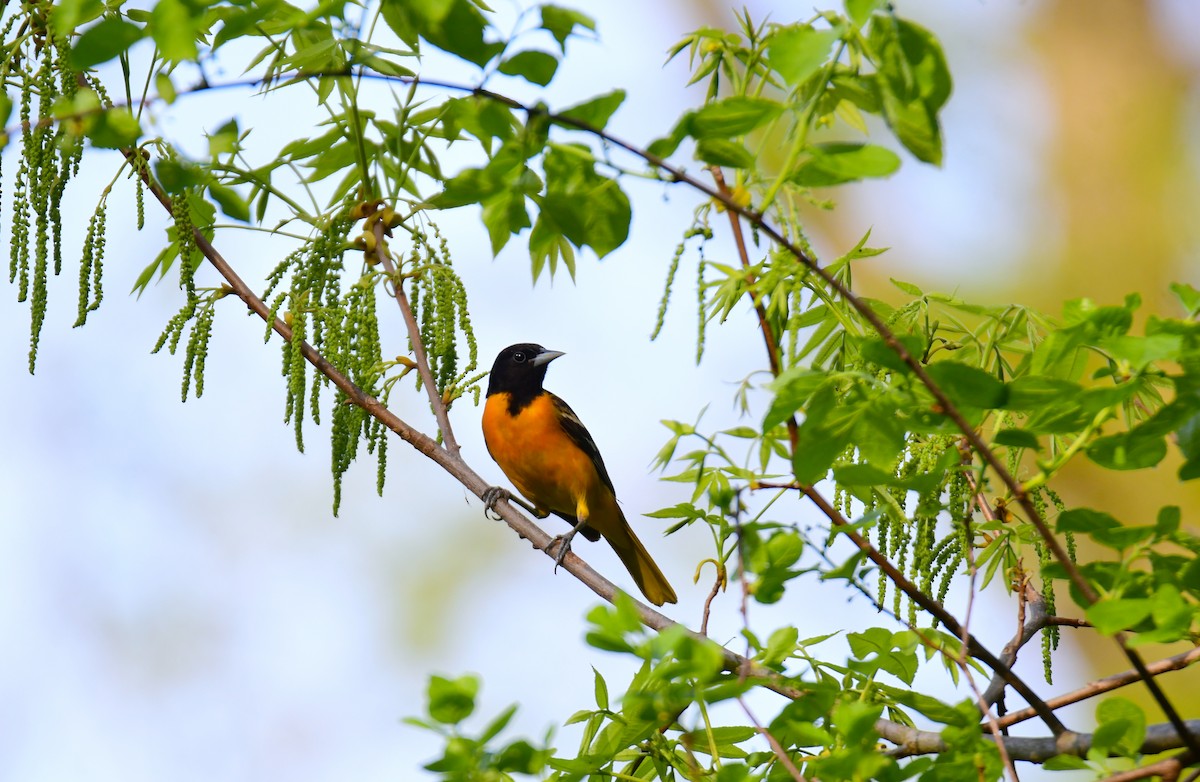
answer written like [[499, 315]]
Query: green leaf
[[798, 51], [103, 41], [432, 11], [597, 111], [1113, 615], [1188, 296], [176, 176], [497, 725], [1085, 520], [504, 215], [174, 27], [164, 87], [860, 11], [877, 351], [1029, 392], [589, 209], [1017, 438], [1128, 451], [914, 83], [835, 164], [532, 66], [1121, 727], [561, 22], [1168, 520], [1140, 352], [461, 31], [780, 646], [915, 126], [114, 129], [230, 201], [452, 700], [69, 14], [967, 385], [792, 389], [724, 152], [601, 691], [783, 549], [731, 117], [666, 146]]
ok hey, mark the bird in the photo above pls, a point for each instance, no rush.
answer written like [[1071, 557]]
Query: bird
[[550, 457]]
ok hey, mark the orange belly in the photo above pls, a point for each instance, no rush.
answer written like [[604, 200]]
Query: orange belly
[[540, 458]]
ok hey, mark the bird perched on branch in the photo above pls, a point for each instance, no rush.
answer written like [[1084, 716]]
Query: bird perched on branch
[[550, 457]]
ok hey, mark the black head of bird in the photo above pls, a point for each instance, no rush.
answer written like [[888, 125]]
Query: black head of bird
[[520, 370]]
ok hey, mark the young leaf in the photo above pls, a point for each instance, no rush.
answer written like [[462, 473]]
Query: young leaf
[[731, 117], [967, 385], [835, 164], [596, 112], [103, 41], [561, 23], [532, 66], [798, 51]]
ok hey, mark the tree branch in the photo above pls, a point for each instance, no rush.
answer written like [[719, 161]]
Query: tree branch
[[910, 741], [418, 345], [1107, 684]]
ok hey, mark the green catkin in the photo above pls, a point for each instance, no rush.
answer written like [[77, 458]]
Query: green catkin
[[1050, 635], [19, 245], [196, 350], [661, 317], [91, 265], [186, 242], [381, 444], [294, 370]]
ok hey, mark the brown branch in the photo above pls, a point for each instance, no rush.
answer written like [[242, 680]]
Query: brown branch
[[910, 741], [1168, 769], [1107, 684], [936, 609], [740, 240], [1035, 619], [418, 345]]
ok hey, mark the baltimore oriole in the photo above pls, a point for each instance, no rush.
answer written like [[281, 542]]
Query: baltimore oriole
[[550, 457]]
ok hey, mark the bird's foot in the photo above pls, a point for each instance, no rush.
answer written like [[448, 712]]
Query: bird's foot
[[492, 495], [564, 543], [564, 546]]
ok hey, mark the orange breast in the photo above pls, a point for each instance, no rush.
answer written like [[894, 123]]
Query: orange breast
[[540, 458]]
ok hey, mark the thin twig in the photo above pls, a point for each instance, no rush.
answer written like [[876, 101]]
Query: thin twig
[[1107, 684], [1168, 769], [910, 741], [418, 345], [718, 582], [776, 747]]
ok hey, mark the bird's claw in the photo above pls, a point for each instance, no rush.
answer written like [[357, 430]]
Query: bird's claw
[[564, 547], [491, 495]]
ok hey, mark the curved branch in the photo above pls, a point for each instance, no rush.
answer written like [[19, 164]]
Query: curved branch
[[1107, 684], [910, 741], [418, 345]]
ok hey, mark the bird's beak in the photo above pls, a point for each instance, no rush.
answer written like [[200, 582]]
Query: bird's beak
[[546, 356]]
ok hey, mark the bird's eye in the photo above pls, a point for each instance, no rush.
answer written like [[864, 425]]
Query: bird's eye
[[519, 357]]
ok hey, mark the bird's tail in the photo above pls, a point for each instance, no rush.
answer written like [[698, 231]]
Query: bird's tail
[[637, 561]]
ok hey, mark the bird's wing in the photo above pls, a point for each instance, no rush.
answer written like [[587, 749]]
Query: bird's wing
[[581, 437]]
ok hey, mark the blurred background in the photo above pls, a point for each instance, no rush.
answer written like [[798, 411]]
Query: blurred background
[[177, 600]]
